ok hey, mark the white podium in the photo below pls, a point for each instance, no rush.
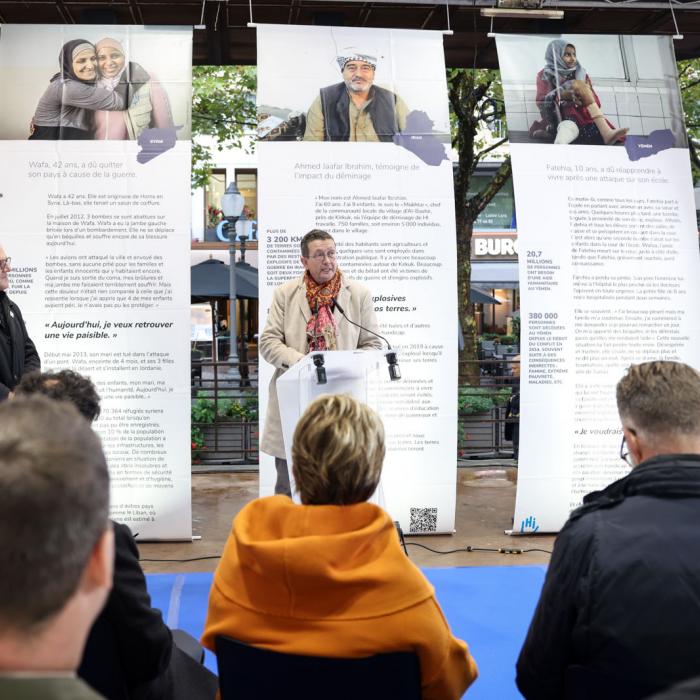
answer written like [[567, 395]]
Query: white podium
[[354, 372]]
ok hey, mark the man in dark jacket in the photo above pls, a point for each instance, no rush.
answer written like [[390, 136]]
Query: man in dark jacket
[[17, 352], [130, 653], [355, 109], [619, 613]]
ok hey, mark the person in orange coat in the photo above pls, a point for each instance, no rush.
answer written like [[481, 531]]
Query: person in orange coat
[[328, 577]]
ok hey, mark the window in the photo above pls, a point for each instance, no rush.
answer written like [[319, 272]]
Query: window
[[212, 197]]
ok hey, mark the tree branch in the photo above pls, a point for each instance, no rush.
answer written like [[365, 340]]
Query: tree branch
[[690, 85], [226, 120], [491, 148]]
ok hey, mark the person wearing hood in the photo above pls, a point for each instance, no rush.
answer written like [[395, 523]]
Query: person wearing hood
[[565, 95], [619, 613], [64, 111], [146, 102], [328, 577]]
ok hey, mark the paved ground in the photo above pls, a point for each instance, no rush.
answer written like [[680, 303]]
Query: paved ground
[[485, 501]]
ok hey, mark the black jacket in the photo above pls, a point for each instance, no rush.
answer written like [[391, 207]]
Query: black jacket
[[17, 352], [619, 613], [335, 103], [129, 645]]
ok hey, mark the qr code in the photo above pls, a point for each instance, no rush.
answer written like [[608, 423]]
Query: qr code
[[423, 520]]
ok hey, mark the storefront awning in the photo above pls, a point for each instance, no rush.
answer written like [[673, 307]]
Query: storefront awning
[[479, 296], [495, 275]]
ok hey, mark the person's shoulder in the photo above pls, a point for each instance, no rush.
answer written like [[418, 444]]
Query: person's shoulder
[[580, 529], [334, 86], [13, 306], [122, 532], [137, 73], [290, 286], [356, 288]]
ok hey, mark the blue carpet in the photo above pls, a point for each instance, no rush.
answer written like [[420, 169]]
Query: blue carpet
[[489, 607]]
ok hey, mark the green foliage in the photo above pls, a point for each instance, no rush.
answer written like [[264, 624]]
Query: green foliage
[[480, 399], [475, 101], [197, 443], [516, 328], [488, 336], [203, 410], [507, 340], [689, 82], [223, 107], [246, 409], [485, 102]]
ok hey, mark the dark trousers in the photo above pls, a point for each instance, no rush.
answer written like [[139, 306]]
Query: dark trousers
[[282, 485]]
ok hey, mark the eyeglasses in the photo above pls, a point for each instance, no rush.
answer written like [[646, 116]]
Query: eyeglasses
[[625, 455], [317, 257], [5, 264]]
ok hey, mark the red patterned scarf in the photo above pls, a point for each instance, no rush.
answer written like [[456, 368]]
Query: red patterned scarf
[[321, 330]]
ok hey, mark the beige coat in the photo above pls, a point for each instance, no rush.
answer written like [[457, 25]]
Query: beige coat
[[283, 342]]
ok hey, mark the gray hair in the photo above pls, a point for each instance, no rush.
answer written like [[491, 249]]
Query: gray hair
[[661, 397]]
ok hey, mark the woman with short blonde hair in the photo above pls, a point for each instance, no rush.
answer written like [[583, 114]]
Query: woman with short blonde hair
[[338, 452], [328, 577]]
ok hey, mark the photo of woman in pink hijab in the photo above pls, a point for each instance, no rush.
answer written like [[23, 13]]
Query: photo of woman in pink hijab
[[146, 102]]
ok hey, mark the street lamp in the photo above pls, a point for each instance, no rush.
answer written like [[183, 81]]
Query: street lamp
[[232, 205], [243, 229]]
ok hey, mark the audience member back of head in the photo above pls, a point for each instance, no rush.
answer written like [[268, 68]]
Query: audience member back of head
[[619, 613], [56, 546]]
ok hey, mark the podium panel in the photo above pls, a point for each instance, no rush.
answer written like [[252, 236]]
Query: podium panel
[[354, 372]]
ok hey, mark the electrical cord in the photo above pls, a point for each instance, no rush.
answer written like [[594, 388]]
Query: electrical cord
[[469, 548], [213, 556], [404, 544]]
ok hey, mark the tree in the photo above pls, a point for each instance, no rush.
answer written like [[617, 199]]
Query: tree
[[223, 107], [476, 99], [689, 82]]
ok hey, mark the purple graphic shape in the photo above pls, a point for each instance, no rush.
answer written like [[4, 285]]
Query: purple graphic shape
[[418, 138], [155, 141], [645, 146]]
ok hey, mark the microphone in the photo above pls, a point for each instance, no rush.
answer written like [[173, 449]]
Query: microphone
[[316, 326], [394, 371], [320, 369]]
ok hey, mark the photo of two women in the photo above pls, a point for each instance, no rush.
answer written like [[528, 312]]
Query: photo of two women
[[97, 90]]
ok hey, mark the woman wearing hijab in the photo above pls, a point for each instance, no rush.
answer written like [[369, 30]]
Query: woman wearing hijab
[[65, 109], [145, 100], [565, 94]]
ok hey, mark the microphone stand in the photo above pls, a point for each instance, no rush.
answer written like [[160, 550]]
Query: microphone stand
[[392, 361]]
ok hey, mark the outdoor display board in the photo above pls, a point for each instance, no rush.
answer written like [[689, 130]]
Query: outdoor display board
[[390, 208], [95, 213], [608, 249]]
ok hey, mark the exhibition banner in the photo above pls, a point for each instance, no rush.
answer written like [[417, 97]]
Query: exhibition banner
[[95, 213], [382, 187], [608, 249]]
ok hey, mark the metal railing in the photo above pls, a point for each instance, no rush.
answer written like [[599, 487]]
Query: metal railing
[[226, 424], [482, 422]]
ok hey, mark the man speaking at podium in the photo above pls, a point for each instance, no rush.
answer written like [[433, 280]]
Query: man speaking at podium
[[302, 319]]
